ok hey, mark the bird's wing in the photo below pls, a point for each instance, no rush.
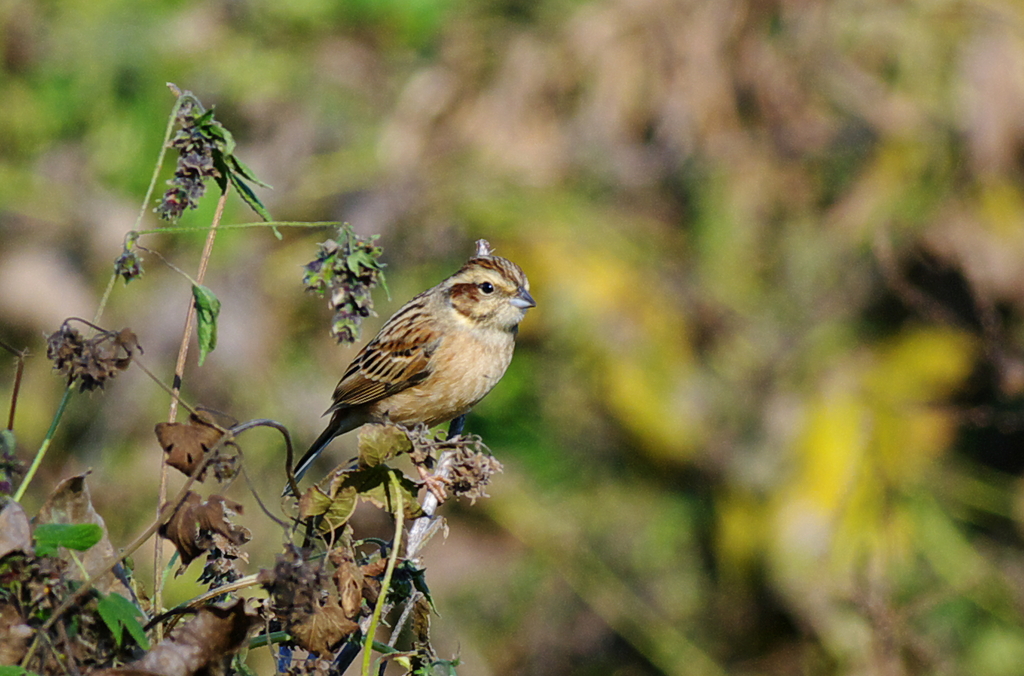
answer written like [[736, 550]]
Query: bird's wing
[[399, 357]]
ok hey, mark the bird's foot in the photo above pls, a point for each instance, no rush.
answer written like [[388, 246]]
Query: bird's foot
[[434, 484]]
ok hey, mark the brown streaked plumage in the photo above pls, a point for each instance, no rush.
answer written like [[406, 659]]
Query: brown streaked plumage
[[436, 357]]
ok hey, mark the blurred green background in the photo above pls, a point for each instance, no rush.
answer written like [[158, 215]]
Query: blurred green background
[[768, 415]]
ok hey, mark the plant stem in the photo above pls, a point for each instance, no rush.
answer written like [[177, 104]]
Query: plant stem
[[103, 301], [386, 582], [45, 445], [179, 372], [18, 373]]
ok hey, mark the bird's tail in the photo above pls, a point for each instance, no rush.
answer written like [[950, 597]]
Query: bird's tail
[[307, 460]]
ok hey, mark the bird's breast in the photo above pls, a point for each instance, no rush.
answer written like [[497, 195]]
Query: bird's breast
[[464, 368]]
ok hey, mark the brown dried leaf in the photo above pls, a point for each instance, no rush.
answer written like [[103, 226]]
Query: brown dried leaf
[[187, 443], [371, 585], [348, 578], [214, 515], [126, 340], [71, 503], [193, 524], [182, 529], [15, 531], [321, 631], [15, 635], [375, 568], [204, 644], [421, 623]]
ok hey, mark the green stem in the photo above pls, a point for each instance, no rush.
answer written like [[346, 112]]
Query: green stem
[[385, 584], [45, 445], [244, 226], [78, 562], [103, 301]]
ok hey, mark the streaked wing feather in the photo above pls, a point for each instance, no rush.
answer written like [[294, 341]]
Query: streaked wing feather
[[397, 358]]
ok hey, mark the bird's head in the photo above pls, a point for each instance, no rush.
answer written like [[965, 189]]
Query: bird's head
[[490, 290]]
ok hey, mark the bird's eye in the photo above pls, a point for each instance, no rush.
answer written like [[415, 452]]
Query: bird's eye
[[487, 287]]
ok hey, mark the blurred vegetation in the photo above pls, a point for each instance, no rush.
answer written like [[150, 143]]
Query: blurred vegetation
[[768, 415]]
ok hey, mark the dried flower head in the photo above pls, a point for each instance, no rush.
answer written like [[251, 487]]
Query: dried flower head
[[129, 263], [195, 145], [347, 272], [91, 361], [205, 150]]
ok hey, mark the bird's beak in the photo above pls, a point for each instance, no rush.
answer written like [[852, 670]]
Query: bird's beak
[[523, 300]]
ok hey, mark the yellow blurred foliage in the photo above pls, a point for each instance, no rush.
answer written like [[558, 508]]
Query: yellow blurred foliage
[[623, 319], [868, 436]]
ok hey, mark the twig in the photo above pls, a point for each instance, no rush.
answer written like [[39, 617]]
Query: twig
[[179, 371], [423, 528], [19, 370]]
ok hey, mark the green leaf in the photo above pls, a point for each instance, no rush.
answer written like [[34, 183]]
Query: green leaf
[[203, 118], [245, 172], [336, 509], [250, 198], [78, 536], [119, 614], [7, 442], [226, 137], [437, 668], [207, 310], [380, 443], [373, 484], [13, 670]]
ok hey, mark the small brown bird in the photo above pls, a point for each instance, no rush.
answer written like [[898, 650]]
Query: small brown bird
[[439, 355]]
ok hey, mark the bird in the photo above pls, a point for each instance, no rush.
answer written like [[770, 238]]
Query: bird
[[437, 356]]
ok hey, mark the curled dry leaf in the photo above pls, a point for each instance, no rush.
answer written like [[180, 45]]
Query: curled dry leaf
[[196, 522], [322, 630], [186, 444], [316, 619], [15, 531], [203, 645], [71, 503], [15, 635], [348, 578]]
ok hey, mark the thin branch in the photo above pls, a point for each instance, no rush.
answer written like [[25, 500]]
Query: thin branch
[[179, 372], [19, 370]]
